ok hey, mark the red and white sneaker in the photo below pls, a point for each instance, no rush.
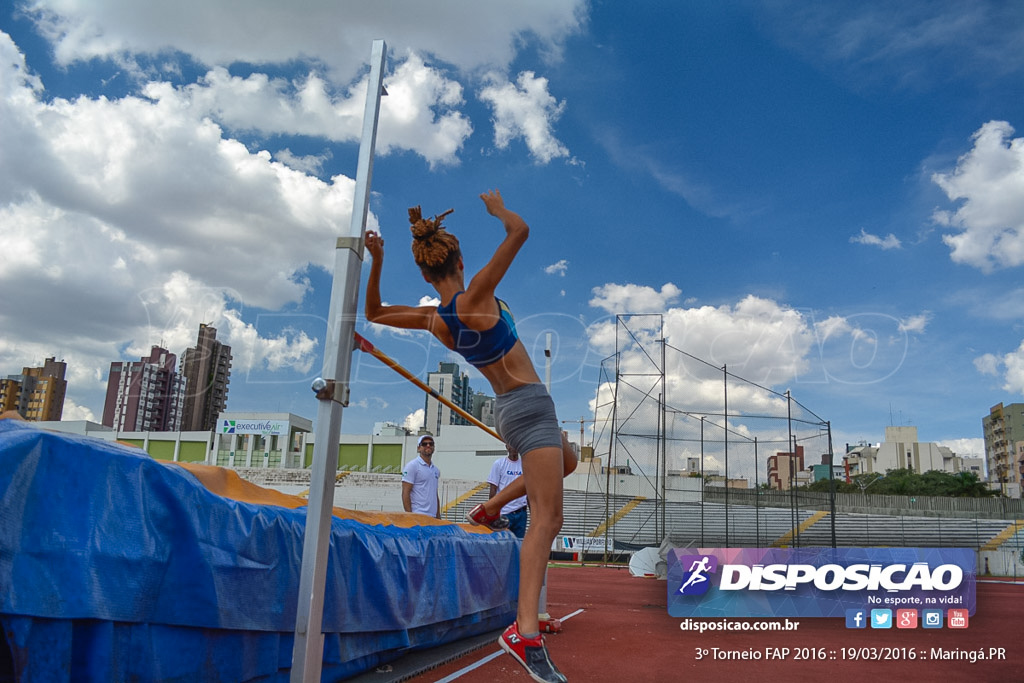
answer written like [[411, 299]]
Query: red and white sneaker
[[548, 624], [532, 654], [479, 517]]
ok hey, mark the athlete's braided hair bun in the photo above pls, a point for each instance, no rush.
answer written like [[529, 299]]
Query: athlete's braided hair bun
[[432, 245]]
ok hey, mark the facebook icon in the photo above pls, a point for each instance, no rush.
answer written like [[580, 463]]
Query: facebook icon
[[856, 618]]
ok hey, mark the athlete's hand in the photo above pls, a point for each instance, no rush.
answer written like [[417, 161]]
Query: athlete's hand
[[375, 245], [494, 203]]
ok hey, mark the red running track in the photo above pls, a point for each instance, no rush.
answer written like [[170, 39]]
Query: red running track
[[625, 634]]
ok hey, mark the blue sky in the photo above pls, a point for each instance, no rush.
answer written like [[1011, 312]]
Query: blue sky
[[823, 197]]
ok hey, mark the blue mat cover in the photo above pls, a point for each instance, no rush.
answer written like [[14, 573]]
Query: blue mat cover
[[115, 567]]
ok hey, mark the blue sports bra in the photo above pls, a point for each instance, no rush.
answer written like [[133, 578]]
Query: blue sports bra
[[481, 348]]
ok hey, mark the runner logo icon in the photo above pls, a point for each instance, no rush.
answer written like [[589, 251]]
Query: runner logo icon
[[695, 580]]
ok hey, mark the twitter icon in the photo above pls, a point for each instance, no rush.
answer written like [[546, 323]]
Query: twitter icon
[[881, 618]]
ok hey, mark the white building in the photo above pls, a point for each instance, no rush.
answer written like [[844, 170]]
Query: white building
[[902, 450], [975, 465]]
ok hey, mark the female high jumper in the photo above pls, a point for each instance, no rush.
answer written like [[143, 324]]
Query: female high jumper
[[475, 323]]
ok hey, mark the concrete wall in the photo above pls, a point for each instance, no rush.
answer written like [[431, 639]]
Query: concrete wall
[[1000, 563]]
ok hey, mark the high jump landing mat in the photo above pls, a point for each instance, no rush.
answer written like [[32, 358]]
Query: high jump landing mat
[[114, 566]]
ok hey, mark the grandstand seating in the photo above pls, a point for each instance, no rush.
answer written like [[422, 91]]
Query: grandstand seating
[[694, 525]]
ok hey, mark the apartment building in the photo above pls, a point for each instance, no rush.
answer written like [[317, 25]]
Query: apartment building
[[37, 394], [145, 395], [206, 368], [1003, 429]]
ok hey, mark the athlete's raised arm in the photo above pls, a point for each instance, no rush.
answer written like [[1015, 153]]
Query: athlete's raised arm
[[409, 317], [481, 287]]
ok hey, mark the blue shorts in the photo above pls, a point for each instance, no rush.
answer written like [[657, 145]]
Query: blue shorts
[[525, 419], [517, 522]]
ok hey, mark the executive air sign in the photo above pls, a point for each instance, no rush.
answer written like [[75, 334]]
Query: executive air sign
[[817, 582], [261, 427]]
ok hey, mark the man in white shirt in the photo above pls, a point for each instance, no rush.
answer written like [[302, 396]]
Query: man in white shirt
[[420, 479], [503, 472]]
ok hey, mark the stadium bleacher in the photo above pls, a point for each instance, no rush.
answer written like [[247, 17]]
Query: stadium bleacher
[[637, 521]]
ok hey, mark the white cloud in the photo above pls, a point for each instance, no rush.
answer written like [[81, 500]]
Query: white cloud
[[966, 448], [465, 33], [987, 364], [311, 164], [890, 241], [1011, 365], [988, 185], [558, 268], [417, 114], [602, 403], [525, 110], [1014, 364], [290, 349], [631, 298], [832, 326], [414, 420], [757, 339], [915, 323], [73, 411]]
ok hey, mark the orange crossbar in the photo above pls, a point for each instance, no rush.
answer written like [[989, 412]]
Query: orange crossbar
[[366, 347]]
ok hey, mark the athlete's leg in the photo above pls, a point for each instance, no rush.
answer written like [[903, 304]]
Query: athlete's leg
[[541, 469]]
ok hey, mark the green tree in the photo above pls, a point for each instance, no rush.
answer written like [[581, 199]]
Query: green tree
[[907, 482]]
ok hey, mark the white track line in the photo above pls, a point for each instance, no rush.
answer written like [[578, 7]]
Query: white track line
[[494, 655], [474, 665]]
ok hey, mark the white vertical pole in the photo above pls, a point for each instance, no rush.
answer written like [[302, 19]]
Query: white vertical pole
[[547, 362], [332, 392], [542, 603]]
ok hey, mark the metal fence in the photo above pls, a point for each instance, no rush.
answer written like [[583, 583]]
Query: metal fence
[[924, 506]]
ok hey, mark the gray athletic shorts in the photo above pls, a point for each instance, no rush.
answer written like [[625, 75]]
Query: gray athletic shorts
[[525, 419]]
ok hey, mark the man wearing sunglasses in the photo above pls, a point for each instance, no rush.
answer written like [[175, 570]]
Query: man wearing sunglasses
[[419, 481]]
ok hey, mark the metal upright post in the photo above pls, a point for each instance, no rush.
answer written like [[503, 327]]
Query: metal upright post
[[794, 508], [725, 397], [703, 484], [332, 392], [831, 485], [664, 440], [757, 499]]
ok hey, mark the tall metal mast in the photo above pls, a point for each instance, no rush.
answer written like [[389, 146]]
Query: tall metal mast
[[332, 391]]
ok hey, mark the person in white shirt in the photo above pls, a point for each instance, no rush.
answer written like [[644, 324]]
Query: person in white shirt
[[503, 472], [420, 479]]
